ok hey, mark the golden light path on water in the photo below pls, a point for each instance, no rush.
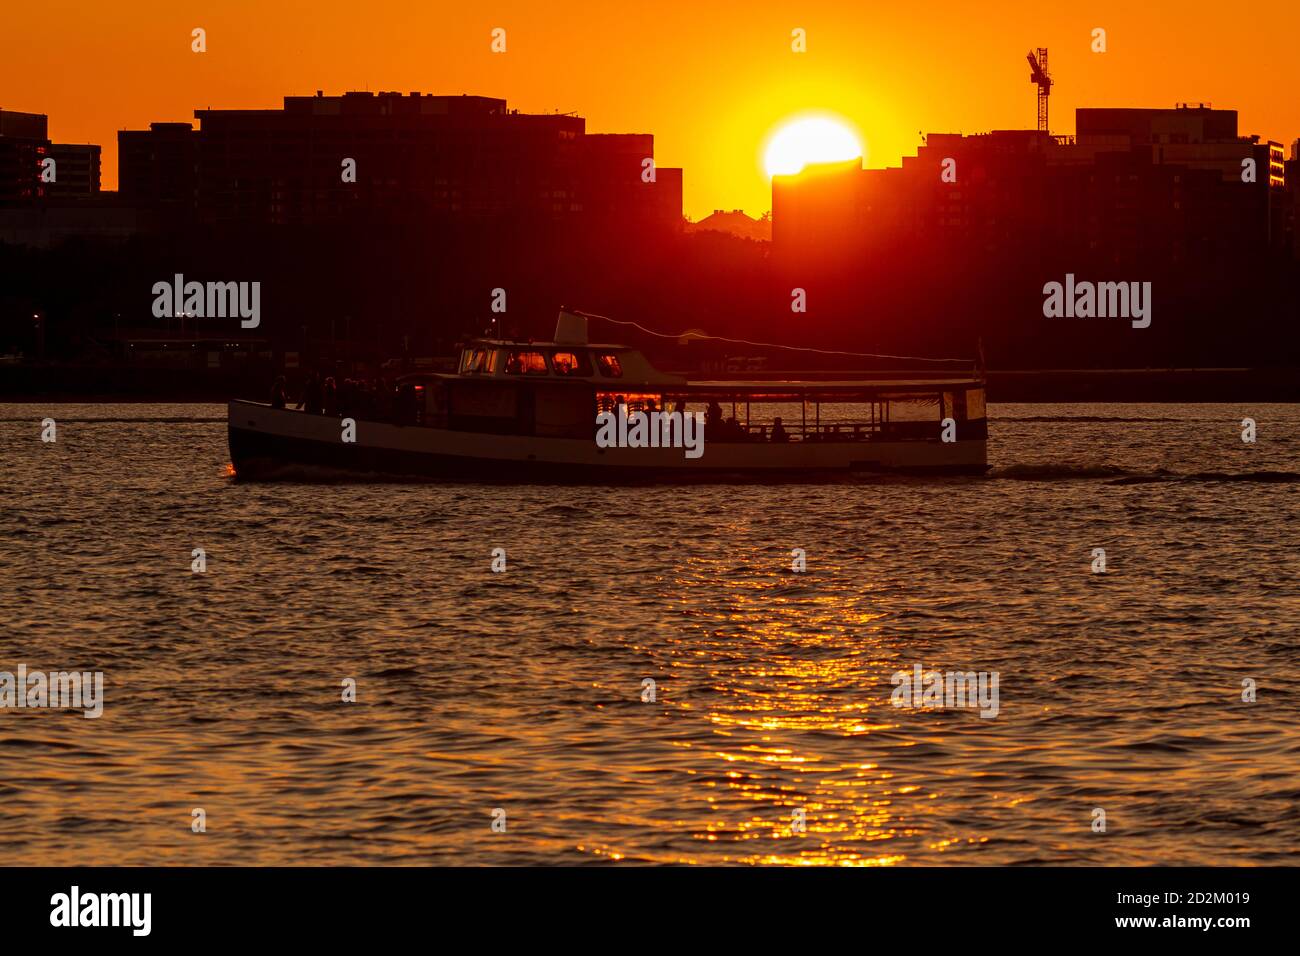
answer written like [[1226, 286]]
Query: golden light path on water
[[774, 697], [523, 691]]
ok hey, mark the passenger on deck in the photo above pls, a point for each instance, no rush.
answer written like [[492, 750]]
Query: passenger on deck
[[680, 406], [279, 393], [713, 417], [778, 430], [311, 403], [330, 397]]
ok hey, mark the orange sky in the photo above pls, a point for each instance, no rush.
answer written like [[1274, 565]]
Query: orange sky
[[709, 79]]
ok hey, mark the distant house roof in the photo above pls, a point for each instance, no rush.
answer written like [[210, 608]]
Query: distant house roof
[[734, 222]]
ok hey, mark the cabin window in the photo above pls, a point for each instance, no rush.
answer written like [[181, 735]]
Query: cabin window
[[526, 363], [610, 366], [975, 404], [635, 401], [570, 363], [478, 361], [911, 407]]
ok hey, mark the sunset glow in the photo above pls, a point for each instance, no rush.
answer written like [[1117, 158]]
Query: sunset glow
[[812, 139], [874, 66]]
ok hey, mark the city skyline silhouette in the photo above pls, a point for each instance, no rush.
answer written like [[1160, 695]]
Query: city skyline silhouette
[[711, 86]]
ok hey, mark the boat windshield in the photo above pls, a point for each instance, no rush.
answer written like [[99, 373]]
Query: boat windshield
[[478, 361]]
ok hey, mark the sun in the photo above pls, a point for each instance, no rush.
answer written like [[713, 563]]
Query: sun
[[809, 139]]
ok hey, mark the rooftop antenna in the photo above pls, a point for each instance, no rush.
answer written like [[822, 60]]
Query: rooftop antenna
[[1039, 75]]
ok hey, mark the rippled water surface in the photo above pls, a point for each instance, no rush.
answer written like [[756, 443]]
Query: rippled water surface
[[523, 690]]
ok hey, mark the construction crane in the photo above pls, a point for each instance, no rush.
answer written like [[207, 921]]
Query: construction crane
[[1040, 76]]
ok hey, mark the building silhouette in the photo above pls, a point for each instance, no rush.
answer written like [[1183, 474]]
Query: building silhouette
[[1132, 185], [78, 170], [159, 166], [24, 147], [1291, 173], [959, 242], [457, 197], [734, 222], [390, 157], [24, 142], [51, 191]]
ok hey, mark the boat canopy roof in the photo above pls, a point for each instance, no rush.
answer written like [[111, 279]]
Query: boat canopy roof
[[845, 392], [530, 344], [569, 357], [847, 385]]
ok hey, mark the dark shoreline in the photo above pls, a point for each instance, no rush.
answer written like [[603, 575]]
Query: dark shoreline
[[19, 384], [1277, 384]]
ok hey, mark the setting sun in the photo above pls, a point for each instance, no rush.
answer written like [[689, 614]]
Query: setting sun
[[813, 139]]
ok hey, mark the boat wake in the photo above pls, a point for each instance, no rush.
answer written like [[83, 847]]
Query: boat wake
[[1257, 477]]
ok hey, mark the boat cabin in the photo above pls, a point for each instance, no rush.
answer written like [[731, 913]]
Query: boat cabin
[[556, 389]]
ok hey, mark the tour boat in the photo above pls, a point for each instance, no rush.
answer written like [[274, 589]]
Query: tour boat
[[571, 410]]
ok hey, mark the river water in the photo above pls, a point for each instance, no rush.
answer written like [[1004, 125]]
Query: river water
[[518, 695]]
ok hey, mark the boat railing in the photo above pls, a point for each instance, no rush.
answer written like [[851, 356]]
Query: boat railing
[[796, 432], [847, 431]]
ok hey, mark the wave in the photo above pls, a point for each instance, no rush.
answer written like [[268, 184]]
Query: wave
[[1145, 419], [1054, 472], [1260, 477], [124, 421], [1115, 475], [325, 474]]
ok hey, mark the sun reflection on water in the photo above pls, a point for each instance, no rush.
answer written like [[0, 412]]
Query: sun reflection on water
[[786, 675]]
